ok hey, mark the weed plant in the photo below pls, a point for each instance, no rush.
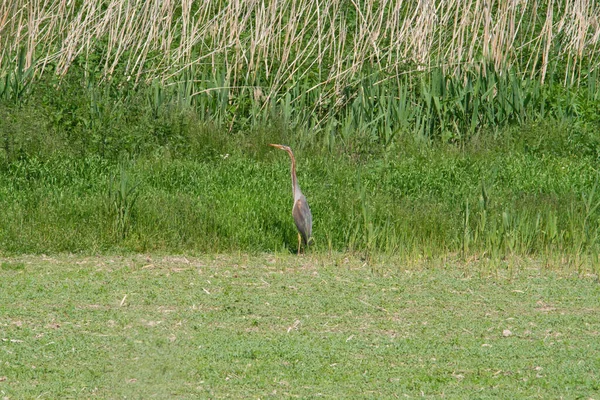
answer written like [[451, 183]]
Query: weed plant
[[122, 196]]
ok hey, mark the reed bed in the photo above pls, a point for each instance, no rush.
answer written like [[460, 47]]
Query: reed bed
[[274, 43], [366, 71]]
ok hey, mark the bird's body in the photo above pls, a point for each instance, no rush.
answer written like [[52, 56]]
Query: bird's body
[[300, 210], [302, 218]]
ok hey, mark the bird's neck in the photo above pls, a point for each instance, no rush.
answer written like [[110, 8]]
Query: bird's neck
[[295, 187]]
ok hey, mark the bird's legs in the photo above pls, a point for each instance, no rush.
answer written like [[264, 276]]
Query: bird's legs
[[299, 243]]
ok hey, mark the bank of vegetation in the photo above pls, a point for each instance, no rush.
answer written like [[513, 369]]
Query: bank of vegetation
[[421, 128]]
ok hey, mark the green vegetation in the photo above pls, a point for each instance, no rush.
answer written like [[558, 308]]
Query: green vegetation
[[340, 73], [276, 326], [540, 199], [464, 129], [441, 143], [427, 201]]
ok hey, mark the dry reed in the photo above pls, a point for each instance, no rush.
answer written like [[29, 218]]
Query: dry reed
[[282, 40]]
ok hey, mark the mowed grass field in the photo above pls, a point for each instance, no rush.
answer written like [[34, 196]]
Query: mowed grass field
[[314, 326]]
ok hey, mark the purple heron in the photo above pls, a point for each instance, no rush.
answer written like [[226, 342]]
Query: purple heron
[[300, 210]]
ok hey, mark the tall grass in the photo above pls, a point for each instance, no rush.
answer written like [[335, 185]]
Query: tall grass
[[283, 40], [333, 66], [506, 200]]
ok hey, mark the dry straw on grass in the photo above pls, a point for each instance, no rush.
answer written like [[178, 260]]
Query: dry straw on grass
[[281, 40]]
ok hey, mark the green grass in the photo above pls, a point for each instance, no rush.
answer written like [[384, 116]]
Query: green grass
[[529, 191], [282, 326], [479, 154], [481, 162], [12, 266]]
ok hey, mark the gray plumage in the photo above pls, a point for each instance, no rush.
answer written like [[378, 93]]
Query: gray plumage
[[300, 210]]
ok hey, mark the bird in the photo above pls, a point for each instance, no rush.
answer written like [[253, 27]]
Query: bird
[[300, 210]]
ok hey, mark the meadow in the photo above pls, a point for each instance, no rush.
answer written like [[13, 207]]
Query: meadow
[[448, 150], [276, 326]]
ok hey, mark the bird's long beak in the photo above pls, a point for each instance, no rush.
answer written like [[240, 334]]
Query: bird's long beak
[[280, 147]]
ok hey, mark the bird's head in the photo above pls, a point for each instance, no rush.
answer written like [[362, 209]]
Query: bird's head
[[280, 147]]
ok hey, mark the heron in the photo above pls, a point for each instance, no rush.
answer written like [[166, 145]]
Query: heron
[[300, 210]]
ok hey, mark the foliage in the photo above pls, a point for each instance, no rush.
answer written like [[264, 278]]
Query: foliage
[[398, 141], [514, 195], [355, 75], [121, 198]]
